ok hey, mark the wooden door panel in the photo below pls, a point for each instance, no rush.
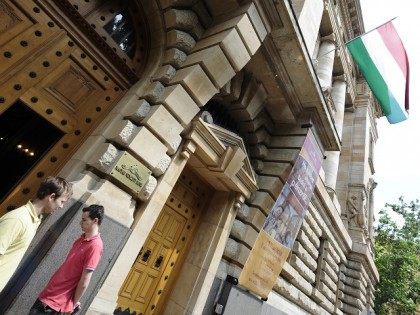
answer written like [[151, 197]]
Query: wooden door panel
[[146, 289], [13, 21], [98, 74], [145, 276], [130, 286], [162, 223], [171, 236], [73, 87], [70, 85], [174, 230], [44, 81], [46, 107], [37, 67], [25, 47]]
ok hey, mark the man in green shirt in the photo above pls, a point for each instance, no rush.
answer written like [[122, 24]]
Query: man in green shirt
[[18, 227]]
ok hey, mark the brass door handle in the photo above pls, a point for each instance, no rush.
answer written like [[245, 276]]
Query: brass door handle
[[146, 255], [158, 261]]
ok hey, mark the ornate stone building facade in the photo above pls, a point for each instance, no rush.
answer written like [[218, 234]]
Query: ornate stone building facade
[[183, 118]]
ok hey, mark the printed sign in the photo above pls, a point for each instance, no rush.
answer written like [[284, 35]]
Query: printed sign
[[283, 222]]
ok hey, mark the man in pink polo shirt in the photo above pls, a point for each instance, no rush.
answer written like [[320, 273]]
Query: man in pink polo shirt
[[66, 287]]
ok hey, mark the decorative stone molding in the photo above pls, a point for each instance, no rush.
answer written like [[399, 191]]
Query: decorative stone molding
[[257, 165], [123, 132], [148, 189], [259, 151], [105, 157], [153, 92], [185, 20], [165, 126], [231, 249], [239, 201], [164, 74], [226, 163], [235, 251], [189, 149], [181, 40], [163, 165], [174, 57], [177, 100], [245, 98], [137, 109]]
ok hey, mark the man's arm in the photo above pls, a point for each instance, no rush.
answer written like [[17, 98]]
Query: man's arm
[[82, 285]]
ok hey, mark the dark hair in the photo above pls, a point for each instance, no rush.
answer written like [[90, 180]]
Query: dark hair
[[54, 185], [95, 212]]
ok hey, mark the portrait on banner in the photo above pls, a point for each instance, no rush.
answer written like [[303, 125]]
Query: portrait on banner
[[285, 217]]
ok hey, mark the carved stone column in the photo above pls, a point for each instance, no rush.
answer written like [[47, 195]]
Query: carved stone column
[[332, 160], [338, 94], [325, 59]]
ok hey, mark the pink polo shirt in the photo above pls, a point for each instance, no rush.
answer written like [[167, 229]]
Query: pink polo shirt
[[59, 292]]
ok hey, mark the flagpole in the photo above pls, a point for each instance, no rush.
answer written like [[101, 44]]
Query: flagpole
[[349, 41], [370, 30]]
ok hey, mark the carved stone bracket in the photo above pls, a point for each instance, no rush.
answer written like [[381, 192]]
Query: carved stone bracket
[[220, 156]]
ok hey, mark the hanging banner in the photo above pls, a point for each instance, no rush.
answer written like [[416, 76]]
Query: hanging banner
[[276, 239]]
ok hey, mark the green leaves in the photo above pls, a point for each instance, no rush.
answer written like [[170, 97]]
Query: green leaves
[[398, 259]]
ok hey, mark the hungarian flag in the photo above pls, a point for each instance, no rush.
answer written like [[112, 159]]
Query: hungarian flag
[[382, 59]]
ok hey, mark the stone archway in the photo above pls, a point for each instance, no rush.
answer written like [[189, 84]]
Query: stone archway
[[155, 115]]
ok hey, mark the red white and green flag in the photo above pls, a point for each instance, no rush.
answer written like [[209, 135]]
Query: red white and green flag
[[383, 61]]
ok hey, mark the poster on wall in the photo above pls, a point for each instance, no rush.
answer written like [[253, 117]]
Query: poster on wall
[[280, 229]]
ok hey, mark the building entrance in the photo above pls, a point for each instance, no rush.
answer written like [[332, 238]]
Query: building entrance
[[53, 92], [154, 272]]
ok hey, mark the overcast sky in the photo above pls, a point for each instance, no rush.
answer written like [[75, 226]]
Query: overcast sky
[[397, 152]]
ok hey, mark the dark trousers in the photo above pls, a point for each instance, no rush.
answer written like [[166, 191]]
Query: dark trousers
[[42, 308]]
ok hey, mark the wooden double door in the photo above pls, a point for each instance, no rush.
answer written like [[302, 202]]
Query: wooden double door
[[54, 89], [155, 270]]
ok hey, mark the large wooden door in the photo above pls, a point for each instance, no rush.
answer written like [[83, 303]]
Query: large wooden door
[[47, 70], [160, 259]]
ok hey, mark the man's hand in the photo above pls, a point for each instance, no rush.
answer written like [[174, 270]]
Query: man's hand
[[82, 285], [76, 308]]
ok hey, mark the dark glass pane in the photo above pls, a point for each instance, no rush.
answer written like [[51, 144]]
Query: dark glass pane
[[221, 116], [24, 138], [122, 31], [128, 44]]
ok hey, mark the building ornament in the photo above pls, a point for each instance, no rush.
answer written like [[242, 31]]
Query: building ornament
[[356, 212]]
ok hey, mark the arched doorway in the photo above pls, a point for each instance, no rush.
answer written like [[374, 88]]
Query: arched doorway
[[64, 65]]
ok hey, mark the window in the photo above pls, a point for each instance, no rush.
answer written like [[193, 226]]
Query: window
[[122, 31], [121, 24]]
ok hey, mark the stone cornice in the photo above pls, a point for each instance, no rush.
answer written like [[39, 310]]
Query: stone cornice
[[305, 99]]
